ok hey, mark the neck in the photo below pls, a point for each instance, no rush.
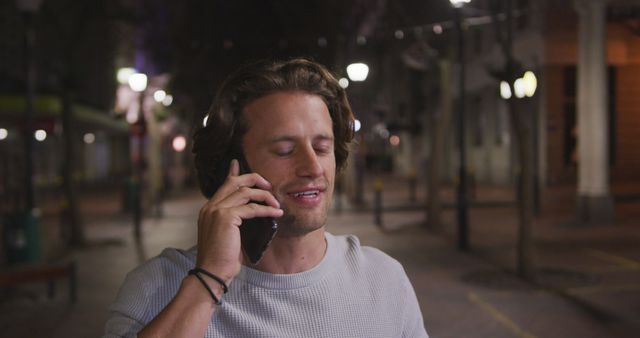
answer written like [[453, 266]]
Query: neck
[[287, 255]]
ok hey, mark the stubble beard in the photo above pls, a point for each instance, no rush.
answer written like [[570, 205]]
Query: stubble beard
[[302, 222]]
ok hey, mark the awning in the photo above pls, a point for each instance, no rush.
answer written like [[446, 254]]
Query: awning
[[12, 108]]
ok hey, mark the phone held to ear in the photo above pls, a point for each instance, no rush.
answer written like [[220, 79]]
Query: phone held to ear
[[256, 233]]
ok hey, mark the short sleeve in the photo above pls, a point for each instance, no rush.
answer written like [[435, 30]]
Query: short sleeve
[[126, 314], [413, 320], [146, 291]]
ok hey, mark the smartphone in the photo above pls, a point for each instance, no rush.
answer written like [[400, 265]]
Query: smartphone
[[256, 233]]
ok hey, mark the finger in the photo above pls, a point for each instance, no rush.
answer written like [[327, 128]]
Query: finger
[[252, 180], [234, 168], [253, 210], [226, 188], [233, 183], [245, 195]]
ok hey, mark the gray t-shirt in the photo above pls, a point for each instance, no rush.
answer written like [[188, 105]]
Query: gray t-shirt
[[355, 291]]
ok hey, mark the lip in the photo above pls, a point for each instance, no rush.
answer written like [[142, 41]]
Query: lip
[[305, 189], [307, 196]]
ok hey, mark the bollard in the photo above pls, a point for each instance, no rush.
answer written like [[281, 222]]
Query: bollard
[[412, 186], [137, 209], [377, 204], [471, 174]]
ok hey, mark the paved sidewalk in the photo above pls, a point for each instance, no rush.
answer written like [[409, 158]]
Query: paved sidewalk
[[589, 278]]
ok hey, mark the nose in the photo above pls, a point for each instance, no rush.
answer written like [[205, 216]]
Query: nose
[[308, 164]]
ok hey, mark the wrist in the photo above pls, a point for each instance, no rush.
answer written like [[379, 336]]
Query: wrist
[[207, 278], [193, 286], [222, 273]]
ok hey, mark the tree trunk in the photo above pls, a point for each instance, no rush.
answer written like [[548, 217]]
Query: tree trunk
[[71, 215], [154, 157], [440, 124], [521, 133]]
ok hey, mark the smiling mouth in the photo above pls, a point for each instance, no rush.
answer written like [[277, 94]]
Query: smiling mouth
[[306, 194]]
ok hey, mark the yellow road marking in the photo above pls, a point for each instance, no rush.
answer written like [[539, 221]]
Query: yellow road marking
[[624, 262], [604, 288], [499, 316]]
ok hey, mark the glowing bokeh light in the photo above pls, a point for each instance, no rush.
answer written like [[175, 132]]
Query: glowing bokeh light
[[357, 71], [179, 143], [40, 135], [343, 82], [138, 82], [89, 138], [356, 125], [159, 95], [124, 73], [167, 100]]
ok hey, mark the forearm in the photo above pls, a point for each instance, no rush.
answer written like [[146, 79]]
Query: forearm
[[187, 315]]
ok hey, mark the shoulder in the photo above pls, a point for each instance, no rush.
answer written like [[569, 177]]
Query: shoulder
[[169, 265], [149, 287], [360, 257], [375, 280]]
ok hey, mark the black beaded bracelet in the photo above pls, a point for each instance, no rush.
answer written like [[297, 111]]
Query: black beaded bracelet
[[212, 276], [206, 286]]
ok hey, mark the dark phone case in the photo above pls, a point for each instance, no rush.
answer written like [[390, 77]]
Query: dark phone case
[[256, 233]]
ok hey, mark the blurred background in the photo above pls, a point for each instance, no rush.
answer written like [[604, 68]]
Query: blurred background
[[497, 151]]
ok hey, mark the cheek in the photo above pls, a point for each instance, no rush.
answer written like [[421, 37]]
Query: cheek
[[277, 174], [330, 170]]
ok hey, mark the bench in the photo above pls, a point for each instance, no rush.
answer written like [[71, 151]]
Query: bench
[[48, 272]]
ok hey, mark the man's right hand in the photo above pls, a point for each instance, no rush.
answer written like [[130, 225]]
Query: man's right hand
[[219, 249]]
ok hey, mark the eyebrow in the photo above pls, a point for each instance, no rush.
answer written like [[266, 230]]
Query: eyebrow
[[321, 137]]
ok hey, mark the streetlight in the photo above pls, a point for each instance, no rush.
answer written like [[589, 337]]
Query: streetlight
[[459, 3], [524, 86], [138, 83], [358, 72], [463, 222], [530, 83]]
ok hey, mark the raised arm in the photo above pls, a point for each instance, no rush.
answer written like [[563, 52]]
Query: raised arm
[[219, 252]]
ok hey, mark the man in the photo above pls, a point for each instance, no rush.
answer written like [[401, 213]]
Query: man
[[290, 122]]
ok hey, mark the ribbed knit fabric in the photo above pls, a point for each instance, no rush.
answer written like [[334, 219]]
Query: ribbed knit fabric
[[354, 291]]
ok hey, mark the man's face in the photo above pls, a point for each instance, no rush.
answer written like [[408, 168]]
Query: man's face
[[289, 142]]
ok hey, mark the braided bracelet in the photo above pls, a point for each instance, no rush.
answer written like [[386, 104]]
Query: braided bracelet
[[212, 276], [206, 286]]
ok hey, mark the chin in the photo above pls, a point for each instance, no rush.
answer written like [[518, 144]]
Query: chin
[[292, 225]]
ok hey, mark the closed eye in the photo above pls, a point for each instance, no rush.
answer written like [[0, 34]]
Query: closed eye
[[323, 150], [284, 153], [323, 146]]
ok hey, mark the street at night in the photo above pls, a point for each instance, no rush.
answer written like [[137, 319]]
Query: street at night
[[588, 279], [491, 147]]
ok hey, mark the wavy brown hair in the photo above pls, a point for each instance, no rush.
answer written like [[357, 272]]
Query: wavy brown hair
[[217, 143]]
